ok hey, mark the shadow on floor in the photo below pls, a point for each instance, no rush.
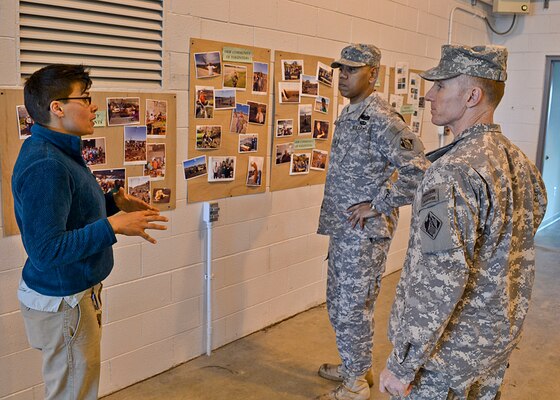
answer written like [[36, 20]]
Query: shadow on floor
[[280, 363]]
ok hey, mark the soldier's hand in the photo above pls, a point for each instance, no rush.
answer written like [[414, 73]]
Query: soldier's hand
[[391, 384], [135, 223], [359, 213]]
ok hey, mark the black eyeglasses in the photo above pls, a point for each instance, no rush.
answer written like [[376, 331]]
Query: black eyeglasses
[[87, 99]]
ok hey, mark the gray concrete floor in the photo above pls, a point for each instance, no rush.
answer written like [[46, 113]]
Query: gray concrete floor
[[280, 362]]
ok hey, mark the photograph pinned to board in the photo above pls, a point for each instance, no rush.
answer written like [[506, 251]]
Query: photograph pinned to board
[[322, 104], [260, 78], [208, 137], [324, 74], [321, 129], [110, 180], [207, 65], [319, 159], [248, 143], [222, 168], [304, 120], [204, 102], [300, 163], [396, 101], [284, 152], [224, 99], [239, 118], [284, 127], [254, 171], [139, 187], [401, 78], [161, 195], [94, 151], [155, 167], [135, 140], [257, 112], [309, 86], [416, 121], [292, 69], [289, 92], [194, 167], [235, 76], [25, 122], [156, 118], [414, 88], [123, 111]]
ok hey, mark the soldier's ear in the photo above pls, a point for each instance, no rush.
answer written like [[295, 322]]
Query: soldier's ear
[[475, 96], [374, 72]]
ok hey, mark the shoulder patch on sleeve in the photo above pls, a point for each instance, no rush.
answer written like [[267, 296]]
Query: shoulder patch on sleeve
[[431, 225], [407, 144]]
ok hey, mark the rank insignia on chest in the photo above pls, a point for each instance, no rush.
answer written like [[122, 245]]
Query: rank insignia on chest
[[431, 225], [407, 144], [364, 119]]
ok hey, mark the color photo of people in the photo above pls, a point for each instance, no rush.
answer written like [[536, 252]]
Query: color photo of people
[[239, 119], [208, 137], [235, 76], [254, 171], [260, 78], [284, 152], [155, 167], [156, 118], [248, 143], [135, 138], [110, 180], [139, 187], [161, 195], [204, 102], [299, 163], [123, 110], [208, 65], [292, 69], [222, 168], [93, 151], [25, 122], [324, 74], [319, 159]]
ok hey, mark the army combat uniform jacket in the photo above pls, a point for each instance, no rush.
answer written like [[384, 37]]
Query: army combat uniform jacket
[[468, 274], [374, 158]]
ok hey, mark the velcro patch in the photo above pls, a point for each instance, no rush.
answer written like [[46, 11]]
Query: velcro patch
[[430, 196], [407, 144], [431, 225]]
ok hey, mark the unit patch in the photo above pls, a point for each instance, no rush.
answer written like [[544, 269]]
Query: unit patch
[[431, 225], [407, 144]]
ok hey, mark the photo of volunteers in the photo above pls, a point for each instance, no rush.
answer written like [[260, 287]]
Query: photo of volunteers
[[123, 110], [93, 151]]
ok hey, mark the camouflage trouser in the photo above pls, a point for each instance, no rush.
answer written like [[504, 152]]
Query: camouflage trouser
[[431, 386], [353, 283]]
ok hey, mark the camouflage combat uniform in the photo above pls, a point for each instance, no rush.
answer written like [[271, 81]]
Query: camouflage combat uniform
[[374, 158], [466, 284]]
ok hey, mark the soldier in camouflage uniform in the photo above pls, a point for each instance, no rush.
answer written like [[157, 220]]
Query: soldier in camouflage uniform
[[376, 163], [467, 279]]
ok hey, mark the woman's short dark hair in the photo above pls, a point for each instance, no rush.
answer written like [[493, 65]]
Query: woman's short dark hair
[[52, 82]]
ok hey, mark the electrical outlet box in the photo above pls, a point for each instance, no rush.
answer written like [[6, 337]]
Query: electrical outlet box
[[511, 6], [210, 212]]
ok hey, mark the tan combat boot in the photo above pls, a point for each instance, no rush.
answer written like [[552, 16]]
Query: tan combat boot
[[355, 388], [333, 372]]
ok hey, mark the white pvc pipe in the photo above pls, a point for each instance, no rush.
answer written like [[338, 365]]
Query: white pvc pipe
[[208, 277], [468, 11]]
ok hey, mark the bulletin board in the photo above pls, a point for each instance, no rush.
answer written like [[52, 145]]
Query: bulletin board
[[228, 135], [413, 103], [294, 124], [162, 192]]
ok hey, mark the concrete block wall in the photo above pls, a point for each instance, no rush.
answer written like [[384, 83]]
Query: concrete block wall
[[534, 37], [268, 261]]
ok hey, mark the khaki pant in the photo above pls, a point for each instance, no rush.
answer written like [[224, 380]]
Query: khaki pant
[[69, 340]]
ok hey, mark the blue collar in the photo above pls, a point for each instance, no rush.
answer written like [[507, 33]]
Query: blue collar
[[69, 144]]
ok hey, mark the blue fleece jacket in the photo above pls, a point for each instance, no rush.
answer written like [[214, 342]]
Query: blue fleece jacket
[[62, 215]]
